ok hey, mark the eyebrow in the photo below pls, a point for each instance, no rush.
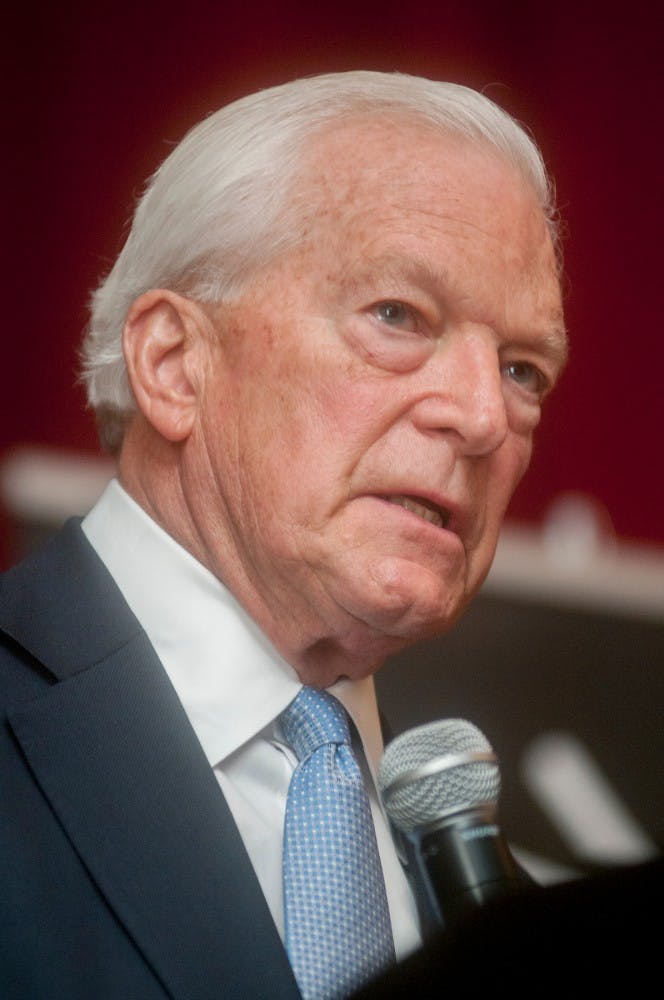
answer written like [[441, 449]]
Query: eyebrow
[[414, 267], [556, 346]]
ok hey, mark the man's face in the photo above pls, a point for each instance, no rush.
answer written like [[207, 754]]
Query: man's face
[[371, 397]]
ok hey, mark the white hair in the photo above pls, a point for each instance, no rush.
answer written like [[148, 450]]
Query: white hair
[[218, 205]]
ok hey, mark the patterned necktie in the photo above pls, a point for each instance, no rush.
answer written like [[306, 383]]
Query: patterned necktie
[[338, 932]]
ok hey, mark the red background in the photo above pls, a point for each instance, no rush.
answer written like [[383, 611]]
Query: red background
[[98, 93]]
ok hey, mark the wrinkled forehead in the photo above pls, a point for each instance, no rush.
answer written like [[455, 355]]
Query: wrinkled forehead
[[373, 173], [398, 158]]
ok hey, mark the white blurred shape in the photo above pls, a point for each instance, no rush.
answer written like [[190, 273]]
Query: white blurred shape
[[543, 870], [576, 528], [47, 486], [567, 783]]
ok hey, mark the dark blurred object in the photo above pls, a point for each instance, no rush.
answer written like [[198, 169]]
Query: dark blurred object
[[579, 939]]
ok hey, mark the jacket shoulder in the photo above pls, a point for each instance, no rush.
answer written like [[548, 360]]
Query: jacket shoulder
[[60, 609]]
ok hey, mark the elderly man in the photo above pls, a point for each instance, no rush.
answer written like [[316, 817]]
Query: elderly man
[[320, 360]]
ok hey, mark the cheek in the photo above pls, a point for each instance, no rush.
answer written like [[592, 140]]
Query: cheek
[[508, 469]]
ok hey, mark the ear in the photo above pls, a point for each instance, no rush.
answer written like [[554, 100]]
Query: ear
[[163, 344]]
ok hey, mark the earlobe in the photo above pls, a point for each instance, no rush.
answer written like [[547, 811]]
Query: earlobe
[[161, 343]]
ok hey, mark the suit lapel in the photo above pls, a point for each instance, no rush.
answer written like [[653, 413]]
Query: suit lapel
[[116, 757]]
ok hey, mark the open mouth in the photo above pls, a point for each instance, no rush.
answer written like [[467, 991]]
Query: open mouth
[[428, 511]]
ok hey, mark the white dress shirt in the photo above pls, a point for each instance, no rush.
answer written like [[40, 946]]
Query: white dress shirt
[[233, 685]]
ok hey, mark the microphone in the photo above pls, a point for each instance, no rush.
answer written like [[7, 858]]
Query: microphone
[[440, 784]]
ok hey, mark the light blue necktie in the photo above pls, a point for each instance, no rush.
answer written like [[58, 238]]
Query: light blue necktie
[[338, 932]]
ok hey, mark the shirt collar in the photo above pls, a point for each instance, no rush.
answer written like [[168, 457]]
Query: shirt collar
[[230, 679]]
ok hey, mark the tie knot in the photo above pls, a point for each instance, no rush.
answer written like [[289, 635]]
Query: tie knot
[[313, 719]]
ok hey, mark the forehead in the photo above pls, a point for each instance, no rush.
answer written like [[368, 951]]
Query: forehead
[[400, 165], [403, 189]]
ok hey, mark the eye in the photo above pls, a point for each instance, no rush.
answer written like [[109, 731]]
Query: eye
[[394, 313], [526, 376]]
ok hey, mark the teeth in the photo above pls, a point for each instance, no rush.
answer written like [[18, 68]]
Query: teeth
[[434, 515]]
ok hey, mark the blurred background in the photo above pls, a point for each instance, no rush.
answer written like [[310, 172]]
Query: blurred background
[[560, 660]]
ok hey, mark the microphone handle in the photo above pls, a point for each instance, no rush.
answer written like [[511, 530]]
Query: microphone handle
[[462, 863]]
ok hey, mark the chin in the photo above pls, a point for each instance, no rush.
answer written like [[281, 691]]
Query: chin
[[412, 606], [375, 630]]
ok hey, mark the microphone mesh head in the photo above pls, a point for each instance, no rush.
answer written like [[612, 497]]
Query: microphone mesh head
[[423, 800]]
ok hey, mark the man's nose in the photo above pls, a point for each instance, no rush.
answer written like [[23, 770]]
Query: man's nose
[[466, 393]]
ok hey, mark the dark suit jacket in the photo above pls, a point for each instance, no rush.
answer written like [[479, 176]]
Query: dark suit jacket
[[122, 873]]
